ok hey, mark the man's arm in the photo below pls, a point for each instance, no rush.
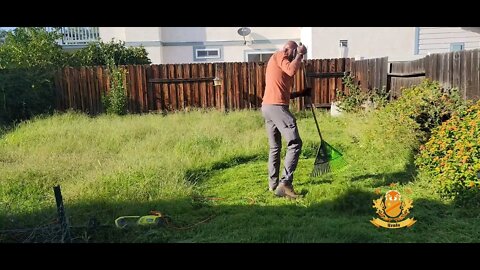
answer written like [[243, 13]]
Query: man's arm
[[290, 67]]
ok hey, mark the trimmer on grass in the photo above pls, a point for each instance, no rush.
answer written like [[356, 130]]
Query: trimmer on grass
[[328, 158], [155, 218]]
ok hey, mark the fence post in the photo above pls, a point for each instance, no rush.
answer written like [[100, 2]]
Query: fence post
[[220, 74], [61, 215]]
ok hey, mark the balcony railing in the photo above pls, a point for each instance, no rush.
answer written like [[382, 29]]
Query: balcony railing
[[76, 35]]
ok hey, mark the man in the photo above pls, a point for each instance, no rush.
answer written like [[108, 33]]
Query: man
[[279, 121]]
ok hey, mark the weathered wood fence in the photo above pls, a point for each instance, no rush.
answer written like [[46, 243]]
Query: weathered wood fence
[[173, 87], [180, 86], [455, 69]]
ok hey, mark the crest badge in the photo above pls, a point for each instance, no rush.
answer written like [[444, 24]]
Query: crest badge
[[393, 211]]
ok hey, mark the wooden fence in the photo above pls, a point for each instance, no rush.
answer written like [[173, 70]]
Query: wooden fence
[[181, 86], [455, 69], [172, 87], [371, 73], [404, 74]]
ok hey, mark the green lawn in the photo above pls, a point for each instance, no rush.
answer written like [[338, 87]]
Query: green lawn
[[207, 171]]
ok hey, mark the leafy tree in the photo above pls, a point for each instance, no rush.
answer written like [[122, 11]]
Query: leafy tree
[[31, 47], [3, 34], [96, 53], [29, 57]]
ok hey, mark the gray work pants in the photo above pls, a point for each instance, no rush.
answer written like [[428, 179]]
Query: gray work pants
[[280, 122]]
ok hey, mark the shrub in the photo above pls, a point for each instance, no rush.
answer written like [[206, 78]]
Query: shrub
[[115, 101], [452, 156], [25, 93], [428, 104], [28, 58], [31, 47], [357, 99], [95, 54]]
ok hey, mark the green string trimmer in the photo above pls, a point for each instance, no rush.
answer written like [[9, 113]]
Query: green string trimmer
[[328, 158]]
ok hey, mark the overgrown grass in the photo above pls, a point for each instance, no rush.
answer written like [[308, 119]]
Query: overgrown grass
[[207, 164]]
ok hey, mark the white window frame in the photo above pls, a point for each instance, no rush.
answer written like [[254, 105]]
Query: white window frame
[[272, 51], [218, 56], [343, 48], [461, 44]]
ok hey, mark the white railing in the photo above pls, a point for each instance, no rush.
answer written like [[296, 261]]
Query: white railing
[[76, 35]]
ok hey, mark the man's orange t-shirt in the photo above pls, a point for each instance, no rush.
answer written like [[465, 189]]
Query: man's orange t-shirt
[[279, 78]]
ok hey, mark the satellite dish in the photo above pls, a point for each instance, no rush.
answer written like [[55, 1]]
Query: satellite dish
[[244, 31]]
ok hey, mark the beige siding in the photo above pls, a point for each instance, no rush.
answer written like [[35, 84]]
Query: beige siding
[[184, 54], [238, 53], [177, 54], [306, 38], [107, 33], [178, 47], [199, 34], [138, 34], [439, 39], [183, 34], [175, 44], [155, 54], [397, 43]]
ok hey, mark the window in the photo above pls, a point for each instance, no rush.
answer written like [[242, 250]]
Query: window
[[258, 56], [458, 46], [206, 53], [343, 48]]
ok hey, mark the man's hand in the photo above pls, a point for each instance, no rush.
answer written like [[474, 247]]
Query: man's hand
[[302, 49], [307, 92]]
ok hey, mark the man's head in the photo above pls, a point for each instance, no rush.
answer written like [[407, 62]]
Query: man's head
[[290, 48]]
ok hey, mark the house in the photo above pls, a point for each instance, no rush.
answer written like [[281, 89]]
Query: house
[[76, 37], [398, 43], [240, 44], [446, 39], [204, 44]]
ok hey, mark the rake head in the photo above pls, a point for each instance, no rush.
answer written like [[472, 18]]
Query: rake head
[[328, 160]]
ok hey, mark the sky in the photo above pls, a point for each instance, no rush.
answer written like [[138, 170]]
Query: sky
[[7, 28]]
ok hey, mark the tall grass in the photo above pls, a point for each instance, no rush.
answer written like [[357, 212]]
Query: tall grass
[[109, 166], [119, 158]]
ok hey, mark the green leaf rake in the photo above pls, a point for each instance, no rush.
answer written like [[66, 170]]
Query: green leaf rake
[[328, 158]]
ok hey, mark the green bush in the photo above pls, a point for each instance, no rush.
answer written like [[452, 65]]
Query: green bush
[[357, 99], [3, 34], [25, 93], [28, 58], [452, 156], [428, 104], [31, 47], [95, 54], [115, 101]]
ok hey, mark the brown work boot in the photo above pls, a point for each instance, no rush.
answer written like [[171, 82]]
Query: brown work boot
[[285, 189], [272, 187]]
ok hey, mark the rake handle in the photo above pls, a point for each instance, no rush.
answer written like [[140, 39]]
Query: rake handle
[[307, 84]]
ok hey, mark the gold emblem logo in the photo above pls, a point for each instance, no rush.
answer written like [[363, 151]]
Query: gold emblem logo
[[392, 211]]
